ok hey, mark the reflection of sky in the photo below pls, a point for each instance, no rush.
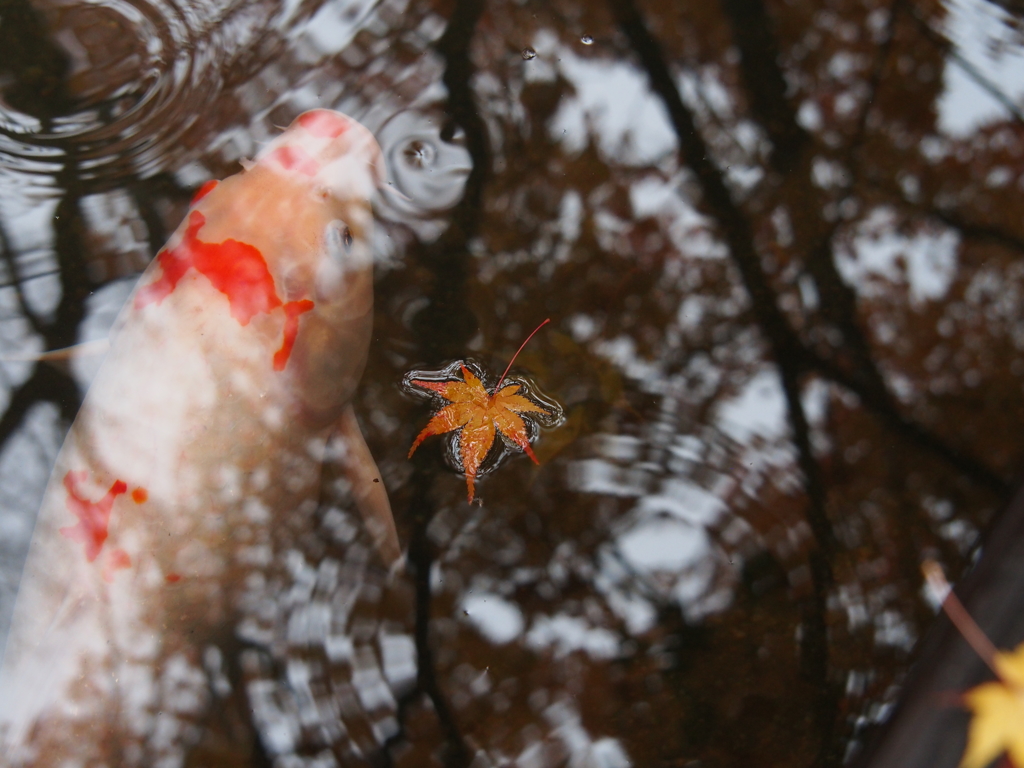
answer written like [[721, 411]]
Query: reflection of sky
[[664, 545], [501, 621], [612, 97], [930, 257], [565, 634], [981, 35], [494, 617], [759, 409], [664, 539], [583, 750], [24, 466], [329, 31]]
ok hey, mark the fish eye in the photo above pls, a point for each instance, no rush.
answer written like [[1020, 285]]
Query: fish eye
[[338, 239]]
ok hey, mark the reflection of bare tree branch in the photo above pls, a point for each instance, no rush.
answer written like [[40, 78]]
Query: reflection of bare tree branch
[[422, 509], [24, 279], [14, 272], [860, 375], [442, 329], [446, 324], [142, 191], [766, 87], [885, 409], [462, 108], [972, 231], [735, 228], [838, 301], [69, 247], [979, 231], [786, 347], [875, 80], [46, 384]]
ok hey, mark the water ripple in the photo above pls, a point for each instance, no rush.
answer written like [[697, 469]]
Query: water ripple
[[120, 75], [428, 170]]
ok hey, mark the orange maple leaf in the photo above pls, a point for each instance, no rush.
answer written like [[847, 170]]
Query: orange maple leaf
[[480, 415]]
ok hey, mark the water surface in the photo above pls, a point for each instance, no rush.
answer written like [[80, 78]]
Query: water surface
[[780, 244]]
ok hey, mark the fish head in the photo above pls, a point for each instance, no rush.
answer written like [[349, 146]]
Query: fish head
[[340, 165], [339, 157], [335, 166]]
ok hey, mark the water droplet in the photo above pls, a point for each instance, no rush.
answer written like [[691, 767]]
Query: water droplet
[[428, 172], [529, 53], [587, 40], [419, 154]]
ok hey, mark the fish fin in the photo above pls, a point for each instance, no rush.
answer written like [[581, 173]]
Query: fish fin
[[368, 489], [86, 348]]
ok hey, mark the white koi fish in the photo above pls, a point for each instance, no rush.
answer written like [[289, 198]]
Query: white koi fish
[[230, 368]]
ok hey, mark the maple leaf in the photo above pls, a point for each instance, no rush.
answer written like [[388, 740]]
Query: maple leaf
[[997, 719], [997, 722], [480, 415]]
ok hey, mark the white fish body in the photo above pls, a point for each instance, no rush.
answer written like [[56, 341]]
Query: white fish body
[[232, 365]]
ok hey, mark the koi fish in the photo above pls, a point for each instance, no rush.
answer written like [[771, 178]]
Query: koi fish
[[202, 437]]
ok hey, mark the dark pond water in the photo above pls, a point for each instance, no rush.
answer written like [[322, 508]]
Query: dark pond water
[[781, 248]]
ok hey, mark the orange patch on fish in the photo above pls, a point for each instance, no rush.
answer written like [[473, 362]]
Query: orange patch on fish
[[238, 270], [93, 516], [139, 495]]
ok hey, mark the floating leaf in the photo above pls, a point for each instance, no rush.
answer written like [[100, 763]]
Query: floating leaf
[[478, 415]]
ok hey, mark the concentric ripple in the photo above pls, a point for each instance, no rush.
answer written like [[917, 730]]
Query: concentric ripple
[[428, 171], [105, 85]]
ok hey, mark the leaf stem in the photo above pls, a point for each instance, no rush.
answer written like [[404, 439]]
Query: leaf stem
[[961, 619], [509, 367]]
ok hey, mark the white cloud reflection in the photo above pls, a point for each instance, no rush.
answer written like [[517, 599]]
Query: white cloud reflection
[[494, 617]]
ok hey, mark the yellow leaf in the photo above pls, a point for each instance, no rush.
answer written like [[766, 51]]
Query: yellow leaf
[[997, 722]]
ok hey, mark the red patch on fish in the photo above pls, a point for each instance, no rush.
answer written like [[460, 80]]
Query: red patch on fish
[[323, 124], [292, 310], [116, 561], [93, 516], [172, 578], [294, 159], [238, 270], [203, 191]]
